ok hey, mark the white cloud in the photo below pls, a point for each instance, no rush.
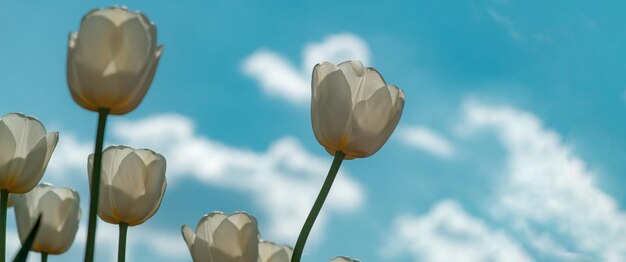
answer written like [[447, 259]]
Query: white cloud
[[448, 233], [70, 156], [507, 24], [278, 77], [425, 139], [548, 189], [283, 181]]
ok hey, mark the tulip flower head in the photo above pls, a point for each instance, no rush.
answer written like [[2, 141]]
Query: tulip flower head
[[343, 259], [112, 59], [60, 211], [223, 238], [272, 252], [132, 184], [26, 151], [353, 110]]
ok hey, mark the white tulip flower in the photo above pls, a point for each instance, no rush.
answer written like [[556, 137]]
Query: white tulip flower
[[112, 60], [223, 238], [60, 210], [353, 110], [26, 151], [132, 184]]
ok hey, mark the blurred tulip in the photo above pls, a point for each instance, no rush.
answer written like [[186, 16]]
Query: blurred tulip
[[61, 215], [112, 59], [222, 238], [26, 150], [343, 259], [272, 252], [353, 110], [132, 184]]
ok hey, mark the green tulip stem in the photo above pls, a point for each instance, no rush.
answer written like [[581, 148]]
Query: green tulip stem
[[121, 248], [317, 207], [44, 257], [95, 185], [4, 203]]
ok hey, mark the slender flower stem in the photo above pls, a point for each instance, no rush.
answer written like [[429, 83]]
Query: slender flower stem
[[4, 202], [121, 248], [44, 257], [317, 207], [95, 185]]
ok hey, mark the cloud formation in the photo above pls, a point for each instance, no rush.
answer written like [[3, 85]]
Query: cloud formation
[[449, 233], [278, 77], [425, 139], [548, 193]]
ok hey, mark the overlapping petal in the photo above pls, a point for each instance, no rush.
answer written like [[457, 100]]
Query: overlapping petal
[[60, 211], [26, 151], [353, 109], [132, 184], [112, 59], [223, 238]]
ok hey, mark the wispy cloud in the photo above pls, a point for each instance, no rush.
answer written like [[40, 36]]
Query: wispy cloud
[[507, 24], [547, 189], [425, 139], [449, 233], [278, 77]]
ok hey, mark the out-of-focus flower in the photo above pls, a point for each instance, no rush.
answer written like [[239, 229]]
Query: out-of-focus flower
[[353, 110], [26, 150], [132, 184], [223, 238], [343, 259], [112, 59], [60, 211], [272, 252]]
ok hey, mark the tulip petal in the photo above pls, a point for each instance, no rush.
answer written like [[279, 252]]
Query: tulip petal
[[59, 224], [27, 171], [226, 246], [51, 141], [372, 82], [330, 110], [155, 181], [112, 157], [208, 224], [8, 145], [272, 252], [128, 190], [320, 71], [26, 130], [73, 80], [367, 123], [136, 46], [145, 80], [354, 71]]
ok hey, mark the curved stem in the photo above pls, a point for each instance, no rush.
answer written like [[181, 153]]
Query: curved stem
[[4, 202], [317, 207], [121, 248], [44, 257], [95, 185]]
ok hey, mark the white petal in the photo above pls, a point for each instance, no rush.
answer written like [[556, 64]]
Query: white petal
[[330, 110]]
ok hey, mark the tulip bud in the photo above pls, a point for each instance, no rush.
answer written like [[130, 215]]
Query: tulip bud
[[343, 259], [222, 238], [272, 252], [112, 59], [26, 150], [353, 110], [60, 211], [132, 184]]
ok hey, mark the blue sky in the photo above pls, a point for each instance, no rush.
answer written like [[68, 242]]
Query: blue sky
[[510, 147]]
